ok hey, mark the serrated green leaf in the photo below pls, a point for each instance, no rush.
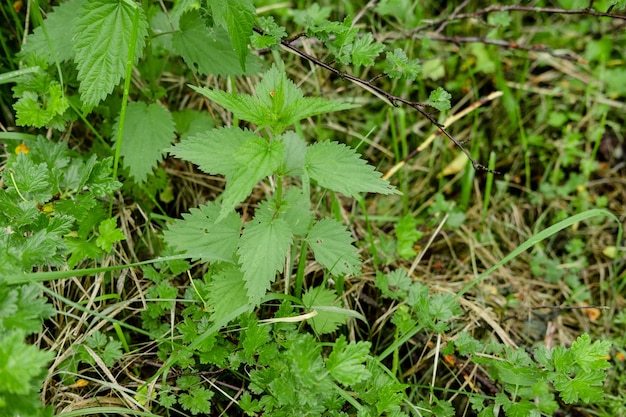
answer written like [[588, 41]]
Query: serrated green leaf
[[23, 309], [332, 246], [365, 50], [295, 153], [81, 250], [337, 167], [586, 385], [214, 150], [148, 130], [262, 252], [591, 356], [440, 99], [20, 364], [325, 321], [272, 33], [256, 159], [108, 234], [346, 362], [29, 179], [101, 34], [43, 109], [298, 214], [59, 48], [197, 401], [398, 65], [237, 17], [407, 235], [227, 293], [199, 46], [201, 237]]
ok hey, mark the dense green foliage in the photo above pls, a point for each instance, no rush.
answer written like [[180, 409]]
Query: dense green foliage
[[280, 286]]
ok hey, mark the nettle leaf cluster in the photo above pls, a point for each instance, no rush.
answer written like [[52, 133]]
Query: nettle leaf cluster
[[215, 233]]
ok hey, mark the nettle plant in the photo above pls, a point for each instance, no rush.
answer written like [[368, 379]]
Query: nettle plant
[[284, 219]]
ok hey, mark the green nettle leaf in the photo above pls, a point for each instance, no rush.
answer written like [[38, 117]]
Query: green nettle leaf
[[201, 46], [278, 102], [332, 246], [295, 152], [262, 252], [237, 17], [257, 158], [365, 50], [346, 362], [440, 99], [298, 213], [399, 65], [201, 236], [326, 320], [338, 167], [213, 151], [272, 33], [227, 293], [148, 129], [59, 48], [101, 34]]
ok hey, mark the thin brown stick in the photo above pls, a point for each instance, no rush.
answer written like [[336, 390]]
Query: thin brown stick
[[389, 98], [532, 9]]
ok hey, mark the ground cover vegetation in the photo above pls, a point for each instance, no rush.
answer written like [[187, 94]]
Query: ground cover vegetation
[[347, 208]]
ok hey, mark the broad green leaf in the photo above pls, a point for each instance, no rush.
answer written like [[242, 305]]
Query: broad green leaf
[[365, 50], [108, 234], [237, 17], [346, 362], [325, 321], [295, 152], [208, 50], [298, 214], [332, 246], [201, 237], [227, 293], [262, 252], [191, 122], [101, 33], [58, 34], [257, 158], [440, 99], [340, 168], [214, 150], [148, 130]]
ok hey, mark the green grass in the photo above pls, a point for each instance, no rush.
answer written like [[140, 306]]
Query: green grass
[[477, 292]]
